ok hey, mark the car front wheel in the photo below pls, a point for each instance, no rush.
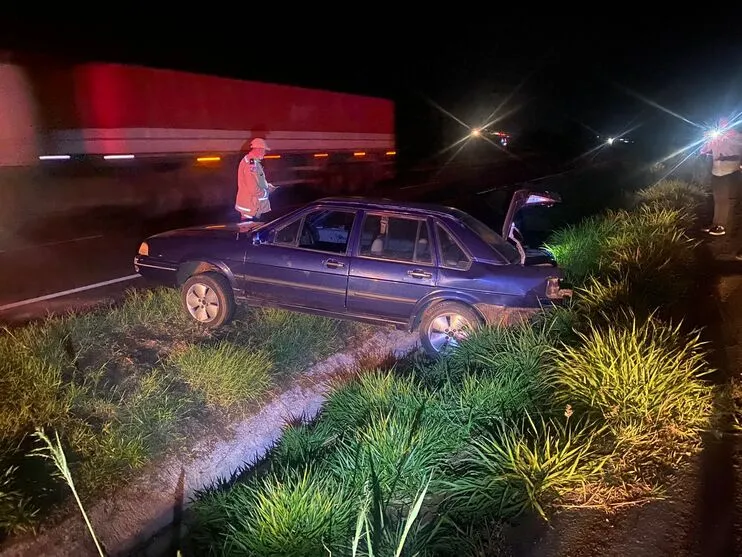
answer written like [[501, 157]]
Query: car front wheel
[[208, 299], [443, 326]]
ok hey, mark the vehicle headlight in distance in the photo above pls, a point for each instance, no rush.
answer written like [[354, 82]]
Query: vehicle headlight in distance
[[143, 249]]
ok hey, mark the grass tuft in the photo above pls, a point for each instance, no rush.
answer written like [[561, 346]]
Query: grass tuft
[[524, 467], [644, 379], [228, 375]]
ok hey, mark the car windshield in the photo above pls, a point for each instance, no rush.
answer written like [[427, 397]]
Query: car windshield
[[491, 238]]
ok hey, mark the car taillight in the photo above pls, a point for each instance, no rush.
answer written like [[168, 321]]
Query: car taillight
[[143, 249], [554, 289]]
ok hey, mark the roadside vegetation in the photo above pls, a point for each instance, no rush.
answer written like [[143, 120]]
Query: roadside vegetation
[[122, 385], [596, 404]]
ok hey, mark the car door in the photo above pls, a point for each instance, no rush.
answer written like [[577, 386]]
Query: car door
[[393, 266], [303, 262]]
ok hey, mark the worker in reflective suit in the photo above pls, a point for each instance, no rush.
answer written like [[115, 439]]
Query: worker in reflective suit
[[725, 147], [253, 189]]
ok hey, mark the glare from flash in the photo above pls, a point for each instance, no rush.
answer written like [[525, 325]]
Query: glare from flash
[[447, 113], [658, 106], [674, 168], [493, 116]]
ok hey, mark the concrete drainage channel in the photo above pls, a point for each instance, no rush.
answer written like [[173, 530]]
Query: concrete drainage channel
[[139, 518]]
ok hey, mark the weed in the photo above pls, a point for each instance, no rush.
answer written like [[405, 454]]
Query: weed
[[55, 453]]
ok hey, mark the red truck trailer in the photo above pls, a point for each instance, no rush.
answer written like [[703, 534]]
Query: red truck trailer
[[111, 113]]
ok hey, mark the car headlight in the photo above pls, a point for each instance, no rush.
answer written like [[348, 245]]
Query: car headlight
[[143, 249]]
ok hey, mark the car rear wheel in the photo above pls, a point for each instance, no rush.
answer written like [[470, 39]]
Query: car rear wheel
[[443, 326], [208, 299]]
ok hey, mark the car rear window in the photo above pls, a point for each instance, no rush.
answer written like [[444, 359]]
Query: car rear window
[[504, 248]]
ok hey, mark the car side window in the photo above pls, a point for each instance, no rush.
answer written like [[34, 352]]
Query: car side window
[[452, 255], [327, 230], [396, 239], [287, 235]]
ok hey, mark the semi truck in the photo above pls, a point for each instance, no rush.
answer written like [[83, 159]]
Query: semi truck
[[56, 113]]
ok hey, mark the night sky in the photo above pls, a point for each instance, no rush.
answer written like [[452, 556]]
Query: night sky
[[564, 72]]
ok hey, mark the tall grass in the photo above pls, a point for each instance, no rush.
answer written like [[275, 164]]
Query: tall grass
[[648, 242], [297, 515], [644, 379], [676, 195], [524, 466]]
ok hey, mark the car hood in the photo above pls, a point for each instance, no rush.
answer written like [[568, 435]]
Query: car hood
[[217, 231]]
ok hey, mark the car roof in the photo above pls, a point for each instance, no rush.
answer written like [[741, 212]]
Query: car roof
[[391, 205]]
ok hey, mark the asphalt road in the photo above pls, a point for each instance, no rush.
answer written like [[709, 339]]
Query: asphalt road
[[88, 259]]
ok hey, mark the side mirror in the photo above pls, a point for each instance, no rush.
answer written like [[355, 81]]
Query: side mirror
[[262, 237]]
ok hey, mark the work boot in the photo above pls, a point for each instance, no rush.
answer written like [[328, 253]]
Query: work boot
[[717, 230]]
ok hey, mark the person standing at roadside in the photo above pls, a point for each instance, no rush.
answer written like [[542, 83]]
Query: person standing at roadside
[[253, 190], [725, 147]]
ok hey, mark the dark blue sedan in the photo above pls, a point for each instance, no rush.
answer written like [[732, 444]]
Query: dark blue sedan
[[426, 267]]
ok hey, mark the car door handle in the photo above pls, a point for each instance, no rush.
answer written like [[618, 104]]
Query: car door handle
[[334, 264], [418, 274]]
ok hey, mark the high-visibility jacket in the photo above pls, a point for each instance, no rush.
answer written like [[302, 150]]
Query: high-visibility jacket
[[252, 188]]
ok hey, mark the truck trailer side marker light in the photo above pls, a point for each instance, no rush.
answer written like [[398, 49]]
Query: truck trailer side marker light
[[391, 153], [359, 154], [272, 157], [208, 159], [117, 157], [320, 155], [54, 158]]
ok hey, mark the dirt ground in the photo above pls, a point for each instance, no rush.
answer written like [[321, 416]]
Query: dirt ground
[[702, 515]]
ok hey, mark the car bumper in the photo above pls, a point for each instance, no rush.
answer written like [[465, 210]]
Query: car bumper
[[155, 270], [504, 315]]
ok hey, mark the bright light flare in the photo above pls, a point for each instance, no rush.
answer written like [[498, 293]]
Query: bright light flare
[[476, 132], [611, 140]]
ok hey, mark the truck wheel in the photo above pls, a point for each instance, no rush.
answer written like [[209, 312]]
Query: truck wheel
[[208, 299], [443, 326]]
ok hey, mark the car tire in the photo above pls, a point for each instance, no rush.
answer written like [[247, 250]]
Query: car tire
[[437, 336], [207, 298]]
